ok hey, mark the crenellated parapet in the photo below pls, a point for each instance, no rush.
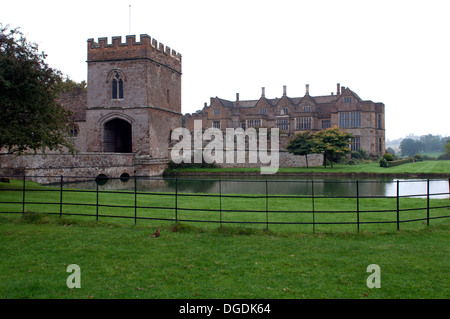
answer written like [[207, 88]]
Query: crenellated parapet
[[146, 48]]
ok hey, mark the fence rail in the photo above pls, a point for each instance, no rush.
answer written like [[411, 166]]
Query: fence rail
[[133, 202]]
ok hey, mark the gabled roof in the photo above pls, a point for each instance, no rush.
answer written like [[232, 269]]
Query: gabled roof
[[251, 103], [226, 103], [347, 90], [325, 100], [284, 97]]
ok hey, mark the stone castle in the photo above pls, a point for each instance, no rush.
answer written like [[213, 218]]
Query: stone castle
[[123, 121]]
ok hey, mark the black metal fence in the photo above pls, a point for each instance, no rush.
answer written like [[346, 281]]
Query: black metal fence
[[131, 198]]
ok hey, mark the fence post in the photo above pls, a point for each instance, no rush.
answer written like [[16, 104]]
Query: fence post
[[398, 205], [267, 206], [176, 200], [23, 195], [428, 202], [61, 196], [357, 204], [96, 182], [313, 208], [135, 201], [220, 203]]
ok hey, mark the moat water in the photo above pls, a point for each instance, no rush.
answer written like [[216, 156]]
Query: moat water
[[279, 185]]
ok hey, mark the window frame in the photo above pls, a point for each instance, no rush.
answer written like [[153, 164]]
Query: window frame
[[350, 119], [303, 123], [283, 124], [117, 85], [355, 143]]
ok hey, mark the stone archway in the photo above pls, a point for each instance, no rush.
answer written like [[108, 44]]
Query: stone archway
[[117, 138]]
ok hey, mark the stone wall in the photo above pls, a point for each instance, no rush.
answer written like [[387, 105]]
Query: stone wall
[[80, 166], [286, 159]]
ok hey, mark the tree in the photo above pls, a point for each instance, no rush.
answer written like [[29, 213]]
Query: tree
[[30, 117], [69, 85], [333, 142], [302, 144], [447, 147], [446, 155], [432, 143], [391, 151], [410, 147]]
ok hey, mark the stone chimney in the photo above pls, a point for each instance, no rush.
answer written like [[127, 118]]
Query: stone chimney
[[338, 89], [237, 97], [263, 92], [307, 89], [284, 89]]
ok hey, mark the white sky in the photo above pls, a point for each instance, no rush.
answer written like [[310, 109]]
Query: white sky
[[391, 51]]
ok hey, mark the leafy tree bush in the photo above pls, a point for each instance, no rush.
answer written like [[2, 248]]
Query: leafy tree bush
[[418, 158], [411, 147], [356, 155], [391, 150], [302, 144], [445, 156], [383, 162], [388, 157], [333, 143], [30, 117]]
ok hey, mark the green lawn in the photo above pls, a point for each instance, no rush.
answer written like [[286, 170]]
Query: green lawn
[[433, 154], [119, 259], [277, 213], [425, 167]]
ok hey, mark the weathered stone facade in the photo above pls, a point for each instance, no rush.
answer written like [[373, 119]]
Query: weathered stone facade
[[286, 159], [345, 109], [122, 123]]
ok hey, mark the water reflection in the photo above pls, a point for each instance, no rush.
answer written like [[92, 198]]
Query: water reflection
[[277, 185]]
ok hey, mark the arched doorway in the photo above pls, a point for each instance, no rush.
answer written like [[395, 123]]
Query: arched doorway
[[118, 136]]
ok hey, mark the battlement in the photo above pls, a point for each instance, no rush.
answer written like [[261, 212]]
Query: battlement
[[147, 47]]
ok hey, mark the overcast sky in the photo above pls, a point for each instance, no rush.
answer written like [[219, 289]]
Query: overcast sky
[[396, 52]]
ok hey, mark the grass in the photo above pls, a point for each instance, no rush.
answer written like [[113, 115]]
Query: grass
[[433, 154], [119, 259], [277, 213], [425, 167]]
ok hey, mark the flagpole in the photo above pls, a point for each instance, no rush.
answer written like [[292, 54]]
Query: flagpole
[[129, 19]]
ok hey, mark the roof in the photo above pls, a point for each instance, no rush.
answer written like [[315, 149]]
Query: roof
[[274, 102]]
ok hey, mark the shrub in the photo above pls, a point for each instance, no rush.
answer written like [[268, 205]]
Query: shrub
[[418, 158], [383, 162], [388, 157], [203, 164], [399, 162], [444, 156], [356, 155]]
